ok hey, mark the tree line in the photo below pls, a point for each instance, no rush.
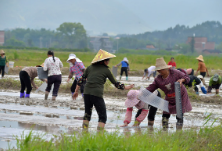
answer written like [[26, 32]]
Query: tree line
[[67, 35], [73, 36], [174, 37]]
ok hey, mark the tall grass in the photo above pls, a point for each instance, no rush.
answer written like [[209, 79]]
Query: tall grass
[[208, 138], [137, 62]]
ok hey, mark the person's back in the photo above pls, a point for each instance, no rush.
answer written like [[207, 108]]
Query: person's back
[[53, 66], [202, 67], [124, 64], [96, 75]]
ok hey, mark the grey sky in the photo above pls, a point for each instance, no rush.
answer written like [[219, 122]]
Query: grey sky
[[161, 14], [110, 16]]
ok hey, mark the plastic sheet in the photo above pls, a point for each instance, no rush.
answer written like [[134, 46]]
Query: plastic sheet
[[43, 87], [6, 69], [150, 98], [178, 100], [114, 71]]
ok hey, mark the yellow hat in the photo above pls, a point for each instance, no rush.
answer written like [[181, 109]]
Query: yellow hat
[[200, 58], [102, 55], [42, 65], [2, 52]]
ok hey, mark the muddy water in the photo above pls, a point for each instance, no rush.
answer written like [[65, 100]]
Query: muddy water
[[18, 116]]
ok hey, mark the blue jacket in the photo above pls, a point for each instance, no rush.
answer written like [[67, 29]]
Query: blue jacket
[[124, 64]]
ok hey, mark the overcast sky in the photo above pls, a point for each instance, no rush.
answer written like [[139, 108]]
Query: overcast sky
[[161, 14], [111, 16]]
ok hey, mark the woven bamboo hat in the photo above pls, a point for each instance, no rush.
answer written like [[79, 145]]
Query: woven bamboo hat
[[200, 58], [102, 55], [161, 64], [2, 52]]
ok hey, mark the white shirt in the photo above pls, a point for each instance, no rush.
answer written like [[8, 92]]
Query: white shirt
[[151, 70], [53, 67]]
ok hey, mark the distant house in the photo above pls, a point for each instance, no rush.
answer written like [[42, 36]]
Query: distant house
[[2, 37], [207, 51], [101, 42], [151, 47], [201, 44]]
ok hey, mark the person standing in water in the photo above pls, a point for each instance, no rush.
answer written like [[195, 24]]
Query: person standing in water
[[53, 65], [172, 63], [96, 75], [125, 67], [3, 63], [27, 76], [165, 81], [77, 68], [201, 67]]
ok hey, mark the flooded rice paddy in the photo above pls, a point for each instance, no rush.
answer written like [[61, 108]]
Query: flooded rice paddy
[[20, 116]]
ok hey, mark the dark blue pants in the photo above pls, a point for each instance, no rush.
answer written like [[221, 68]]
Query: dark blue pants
[[56, 80]]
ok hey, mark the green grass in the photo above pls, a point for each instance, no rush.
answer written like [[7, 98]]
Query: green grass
[[207, 139], [137, 62]]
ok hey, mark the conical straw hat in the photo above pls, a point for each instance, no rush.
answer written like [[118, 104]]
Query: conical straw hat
[[2, 52], [161, 64], [102, 55], [200, 58]]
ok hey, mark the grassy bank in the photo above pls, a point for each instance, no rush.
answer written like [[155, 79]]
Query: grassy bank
[[207, 139], [11, 84], [137, 62]]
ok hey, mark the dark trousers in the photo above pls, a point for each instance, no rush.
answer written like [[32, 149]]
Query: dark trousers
[[90, 101], [25, 82], [196, 82], [203, 74], [2, 70], [56, 80], [73, 87], [154, 74], [152, 111], [151, 115], [124, 69], [179, 121]]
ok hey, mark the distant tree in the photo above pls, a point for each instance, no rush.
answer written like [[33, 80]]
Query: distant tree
[[14, 42], [219, 47], [73, 33], [30, 43]]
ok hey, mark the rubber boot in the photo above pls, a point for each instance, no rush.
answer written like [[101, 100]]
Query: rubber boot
[[179, 124], [72, 94], [126, 78], [85, 127], [22, 95], [53, 98], [83, 95], [150, 125], [27, 96], [100, 130], [120, 77], [165, 123], [46, 95]]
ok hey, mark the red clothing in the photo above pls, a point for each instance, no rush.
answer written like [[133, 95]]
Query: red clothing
[[167, 85], [173, 64]]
